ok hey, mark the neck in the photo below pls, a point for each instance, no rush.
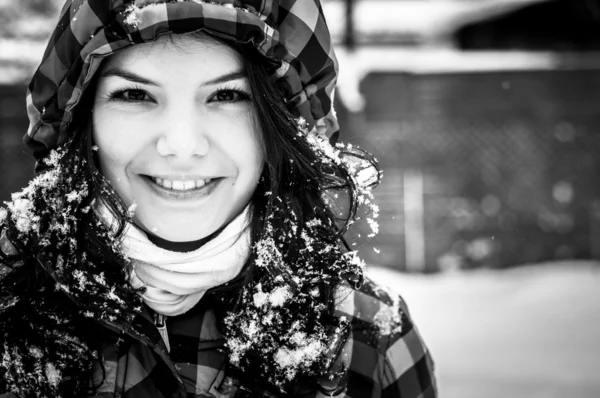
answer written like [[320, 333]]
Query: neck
[[182, 247]]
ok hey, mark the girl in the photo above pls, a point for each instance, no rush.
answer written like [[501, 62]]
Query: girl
[[184, 234]]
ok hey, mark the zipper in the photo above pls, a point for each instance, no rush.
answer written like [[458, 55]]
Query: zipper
[[160, 321]]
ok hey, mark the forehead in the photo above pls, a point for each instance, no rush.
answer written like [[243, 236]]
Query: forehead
[[187, 50]]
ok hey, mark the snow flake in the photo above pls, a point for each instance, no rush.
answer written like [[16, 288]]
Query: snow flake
[[290, 360], [315, 222], [276, 298], [113, 296], [53, 158], [374, 227], [54, 376], [268, 319], [131, 210], [388, 319], [252, 329], [23, 216], [353, 258], [100, 279], [132, 16], [299, 339], [260, 298], [279, 296], [36, 352], [81, 279], [63, 287], [73, 196]]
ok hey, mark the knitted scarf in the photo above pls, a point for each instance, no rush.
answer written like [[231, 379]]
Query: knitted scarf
[[176, 281]]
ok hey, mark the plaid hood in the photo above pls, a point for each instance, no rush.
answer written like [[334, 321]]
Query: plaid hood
[[291, 34]]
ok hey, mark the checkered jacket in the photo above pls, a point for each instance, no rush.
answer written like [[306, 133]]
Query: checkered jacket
[[291, 35], [385, 363], [387, 358]]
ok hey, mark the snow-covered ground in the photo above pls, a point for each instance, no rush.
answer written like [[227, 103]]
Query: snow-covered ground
[[529, 332]]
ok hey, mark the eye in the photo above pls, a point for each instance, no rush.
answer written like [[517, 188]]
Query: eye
[[229, 95], [135, 95], [131, 95]]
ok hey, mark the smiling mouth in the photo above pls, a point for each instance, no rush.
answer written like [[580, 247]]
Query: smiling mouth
[[181, 185], [185, 190]]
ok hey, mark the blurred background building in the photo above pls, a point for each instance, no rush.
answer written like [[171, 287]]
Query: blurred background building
[[484, 117]]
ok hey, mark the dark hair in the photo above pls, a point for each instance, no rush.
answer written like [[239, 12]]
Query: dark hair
[[293, 183]]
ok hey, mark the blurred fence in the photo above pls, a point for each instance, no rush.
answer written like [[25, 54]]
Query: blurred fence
[[502, 167]]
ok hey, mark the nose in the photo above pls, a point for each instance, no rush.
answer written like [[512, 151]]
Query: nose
[[183, 134]]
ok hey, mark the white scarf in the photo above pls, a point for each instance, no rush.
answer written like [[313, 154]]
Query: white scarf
[[175, 281]]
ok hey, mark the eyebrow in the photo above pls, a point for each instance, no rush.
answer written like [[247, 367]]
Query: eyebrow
[[128, 75]]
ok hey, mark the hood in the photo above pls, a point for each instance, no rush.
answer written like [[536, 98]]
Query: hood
[[291, 34]]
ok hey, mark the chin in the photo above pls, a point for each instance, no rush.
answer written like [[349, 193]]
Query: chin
[[177, 231]]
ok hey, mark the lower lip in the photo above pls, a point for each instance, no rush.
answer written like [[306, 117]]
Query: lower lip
[[189, 195]]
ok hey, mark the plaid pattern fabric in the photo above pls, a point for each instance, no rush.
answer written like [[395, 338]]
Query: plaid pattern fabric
[[291, 34], [385, 363]]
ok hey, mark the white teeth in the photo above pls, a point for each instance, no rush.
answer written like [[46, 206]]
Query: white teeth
[[178, 185]]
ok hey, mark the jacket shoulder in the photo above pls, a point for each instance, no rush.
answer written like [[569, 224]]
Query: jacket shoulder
[[380, 310], [390, 358]]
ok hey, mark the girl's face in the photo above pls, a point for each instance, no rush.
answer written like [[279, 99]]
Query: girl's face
[[173, 122]]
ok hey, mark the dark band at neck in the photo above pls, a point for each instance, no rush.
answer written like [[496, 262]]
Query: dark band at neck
[[182, 247]]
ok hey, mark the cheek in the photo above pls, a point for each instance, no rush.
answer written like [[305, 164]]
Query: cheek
[[248, 155], [111, 151], [115, 151], [245, 148], [116, 137], [111, 161]]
